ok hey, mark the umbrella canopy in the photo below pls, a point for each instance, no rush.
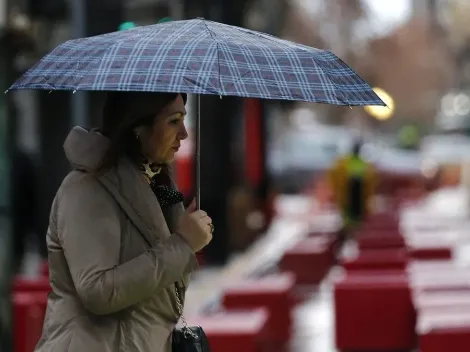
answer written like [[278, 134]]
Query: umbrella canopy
[[199, 57]]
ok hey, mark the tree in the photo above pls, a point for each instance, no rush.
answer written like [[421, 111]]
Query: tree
[[328, 25], [397, 65]]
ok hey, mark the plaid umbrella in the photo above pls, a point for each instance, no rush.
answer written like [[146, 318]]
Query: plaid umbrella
[[199, 57]]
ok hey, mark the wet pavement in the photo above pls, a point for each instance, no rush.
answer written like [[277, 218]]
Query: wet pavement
[[313, 318]]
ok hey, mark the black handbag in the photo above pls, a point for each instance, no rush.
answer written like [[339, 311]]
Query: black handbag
[[188, 338]]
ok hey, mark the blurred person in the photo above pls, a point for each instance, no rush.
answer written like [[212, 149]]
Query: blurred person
[[121, 245], [23, 202], [353, 181]]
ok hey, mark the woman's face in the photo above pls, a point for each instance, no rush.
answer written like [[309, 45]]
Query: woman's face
[[163, 139]]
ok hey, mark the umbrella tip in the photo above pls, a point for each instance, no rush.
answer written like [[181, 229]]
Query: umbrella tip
[[6, 92]]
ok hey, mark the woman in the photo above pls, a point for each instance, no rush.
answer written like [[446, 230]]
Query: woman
[[121, 246]]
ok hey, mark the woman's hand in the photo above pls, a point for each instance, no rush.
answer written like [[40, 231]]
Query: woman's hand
[[195, 226]]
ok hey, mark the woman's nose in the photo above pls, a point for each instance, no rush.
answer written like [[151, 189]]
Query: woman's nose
[[183, 133]]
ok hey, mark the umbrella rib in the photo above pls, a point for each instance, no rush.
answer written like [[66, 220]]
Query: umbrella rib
[[99, 60], [270, 38], [333, 83], [359, 77], [239, 78], [218, 55], [306, 49]]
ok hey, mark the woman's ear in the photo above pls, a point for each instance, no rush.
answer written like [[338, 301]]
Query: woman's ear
[[138, 132]]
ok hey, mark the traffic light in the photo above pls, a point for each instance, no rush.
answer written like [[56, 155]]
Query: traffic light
[[165, 19], [126, 25], [409, 137]]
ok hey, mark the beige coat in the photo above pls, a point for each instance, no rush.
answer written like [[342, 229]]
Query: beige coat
[[112, 275]]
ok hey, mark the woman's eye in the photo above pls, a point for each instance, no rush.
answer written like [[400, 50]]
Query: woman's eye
[[176, 119]]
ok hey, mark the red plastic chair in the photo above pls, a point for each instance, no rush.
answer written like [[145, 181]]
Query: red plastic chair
[[310, 259], [374, 313], [444, 331], [40, 284], [245, 331], [383, 259], [28, 317], [274, 293], [425, 252], [380, 240]]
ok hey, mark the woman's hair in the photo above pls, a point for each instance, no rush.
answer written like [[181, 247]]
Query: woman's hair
[[356, 147], [122, 113]]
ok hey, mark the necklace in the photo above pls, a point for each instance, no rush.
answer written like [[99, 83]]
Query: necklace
[[166, 195]]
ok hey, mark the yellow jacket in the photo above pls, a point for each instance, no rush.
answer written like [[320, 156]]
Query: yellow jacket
[[338, 177]]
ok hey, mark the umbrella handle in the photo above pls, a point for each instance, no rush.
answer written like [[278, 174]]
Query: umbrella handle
[[198, 153]]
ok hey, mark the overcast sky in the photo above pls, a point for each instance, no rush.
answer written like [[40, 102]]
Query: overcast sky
[[388, 13], [384, 16]]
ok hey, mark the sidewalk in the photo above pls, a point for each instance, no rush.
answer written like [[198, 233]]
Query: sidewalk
[[313, 319]]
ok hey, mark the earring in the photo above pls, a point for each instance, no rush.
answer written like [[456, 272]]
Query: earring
[[137, 136]]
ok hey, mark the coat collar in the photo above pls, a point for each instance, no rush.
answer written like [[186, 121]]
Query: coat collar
[[128, 182], [85, 150]]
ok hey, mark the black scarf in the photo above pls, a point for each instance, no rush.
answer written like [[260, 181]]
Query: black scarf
[[160, 183]]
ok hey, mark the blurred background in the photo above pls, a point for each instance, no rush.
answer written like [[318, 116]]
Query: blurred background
[[255, 154]]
